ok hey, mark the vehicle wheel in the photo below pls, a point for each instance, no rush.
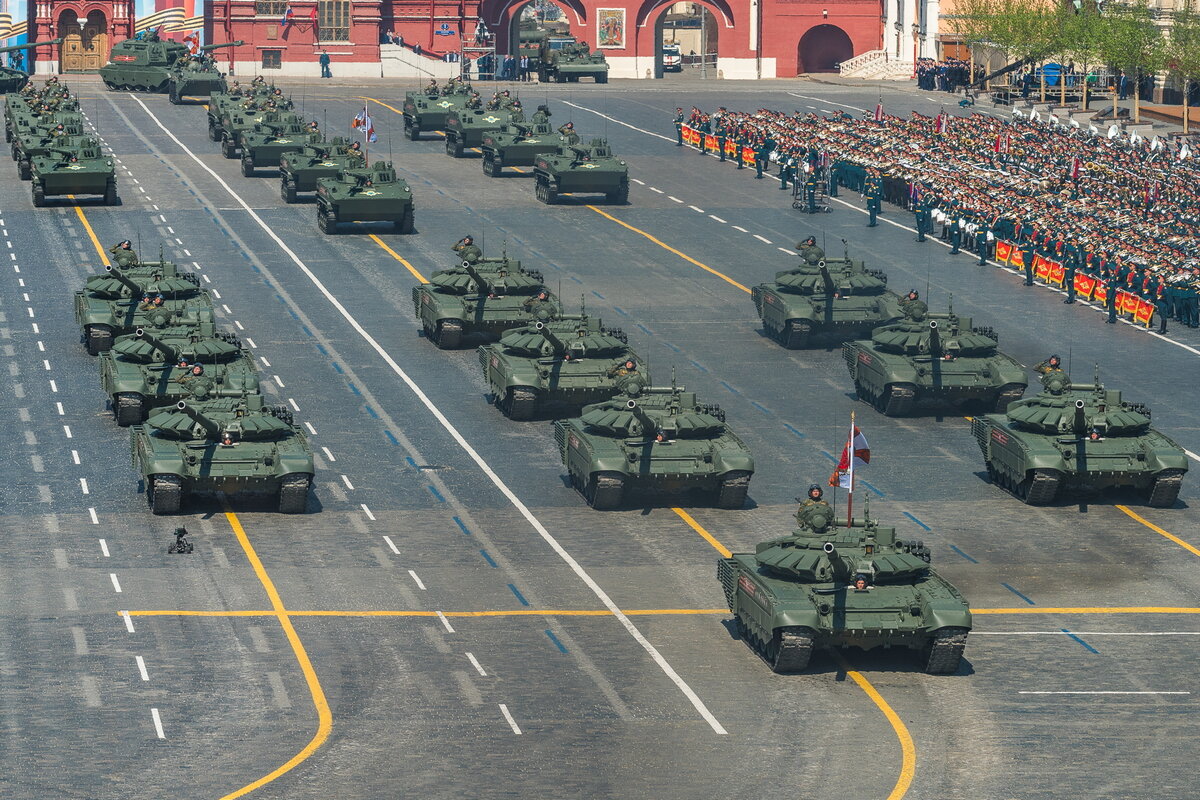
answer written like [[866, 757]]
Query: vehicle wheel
[[898, 399], [293, 493], [24, 170], [327, 222], [165, 494], [1039, 488], [110, 193], [173, 96], [602, 78], [945, 650], [39, 195], [214, 133], [796, 333], [404, 225], [99, 339], [1166, 488], [247, 166], [605, 490], [621, 196], [411, 131], [1009, 393], [454, 147], [287, 191], [228, 147], [520, 403], [448, 335], [733, 490], [791, 649], [489, 165], [128, 409]]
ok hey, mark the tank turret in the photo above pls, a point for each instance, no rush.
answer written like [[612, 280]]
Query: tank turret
[[559, 347], [125, 280], [169, 353], [210, 426]]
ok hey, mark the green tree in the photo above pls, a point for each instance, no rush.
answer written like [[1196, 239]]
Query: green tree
[[1183, 50], [1132, 41], [1083, 36]]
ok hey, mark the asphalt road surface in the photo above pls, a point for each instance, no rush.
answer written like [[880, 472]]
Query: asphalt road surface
[[450, 619]]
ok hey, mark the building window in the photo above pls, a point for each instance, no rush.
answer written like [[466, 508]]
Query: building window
[[272, 59], [334, 20], [270, 8]]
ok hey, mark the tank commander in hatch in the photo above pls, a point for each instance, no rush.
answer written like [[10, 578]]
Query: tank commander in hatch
[[1051, 364], [123, 254], [809, 250], [467, 250]]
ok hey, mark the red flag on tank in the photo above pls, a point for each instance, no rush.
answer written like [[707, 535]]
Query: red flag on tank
[[855, 453]]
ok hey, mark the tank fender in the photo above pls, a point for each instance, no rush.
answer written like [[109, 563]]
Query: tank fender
[[522, 376], [947, 614], [1165, 456], [288, 463], [733, 460], [805, 617]]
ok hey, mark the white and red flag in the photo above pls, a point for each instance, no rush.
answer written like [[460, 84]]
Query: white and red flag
[[855, 453]]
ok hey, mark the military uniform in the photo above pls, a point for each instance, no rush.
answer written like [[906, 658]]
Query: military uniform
[[922, 212], [873, 190], [810, 253], [679, 127], [123, 256], [468, 252]]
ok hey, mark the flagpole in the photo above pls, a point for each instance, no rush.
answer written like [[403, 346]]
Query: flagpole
[[850, 463]]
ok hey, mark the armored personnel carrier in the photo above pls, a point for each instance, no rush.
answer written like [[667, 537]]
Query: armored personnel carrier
[[936, 358], [62, 171], [828, 300], [657, 440], [228, 444], [485, 297], [465, 127], [238, 120], [122, 300], [564, 363], [14, 80], [1079, 438], [562, 59], [515, 144], [299, 170], [224, 106], [581, 169], [197, 75], [365, 195], [150, 370], [425, 112], [834, 585], [37, 137], [264, 144], [142, 65]]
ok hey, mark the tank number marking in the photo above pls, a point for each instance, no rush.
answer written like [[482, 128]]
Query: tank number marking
[[746, 585], [124, 58], [495, 361], [425, 299], [999, 437], [542, 164], [573, 442], [864, 358], [768, 298]]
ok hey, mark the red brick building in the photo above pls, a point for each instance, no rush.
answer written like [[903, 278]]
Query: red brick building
[[88, 28]]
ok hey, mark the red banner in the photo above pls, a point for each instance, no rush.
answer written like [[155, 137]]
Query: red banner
[[1003, 251], [1144, 312], [1041, 268], [748, 156], [711, 144], [731, 148], [1058, 273], [1085, 285], [1127, 303], [691, 136], [1101, 293]]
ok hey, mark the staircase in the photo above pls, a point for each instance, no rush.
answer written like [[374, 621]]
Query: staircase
[[876, 65], [400, 62]]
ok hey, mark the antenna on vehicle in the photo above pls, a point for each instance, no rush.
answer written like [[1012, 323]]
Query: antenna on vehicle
[[582, 300], [845, 250], [1069, 353], [674, 384]]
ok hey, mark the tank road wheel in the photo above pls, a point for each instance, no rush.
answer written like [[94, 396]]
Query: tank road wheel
[[454, 147], [519, 403], [602, 78], [796, 333], [945, 651], [546, 192], [897, 399], [605, 490], [24, 171], [448, 335], [39, 195], [165, 493], [489, 165], [1009, 393], [293, 493], [327, 222], [619, 197], [1166, 488], [128, 409], [411, 130], [790, 649], [228, 147], [247, 166], [110, 193], [287, 190], [405, 223], [733, 490], [1039, 488], [99, 339]]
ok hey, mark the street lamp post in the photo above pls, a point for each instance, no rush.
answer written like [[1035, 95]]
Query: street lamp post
[[916, 29]]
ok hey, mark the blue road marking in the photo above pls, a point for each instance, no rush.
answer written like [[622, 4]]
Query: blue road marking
[[644, 329], [293, 314], [914, 519], [433, 490], [830, 457], [572, 277], [255, 268], [597, 294], [1086, 646], [338, 367], [520, 596], [391, 438], [462, 525], [793, 430], [730, 388], [554, 639], [964, 555], [354, 389], [306, 330], [1018, 594], [872, 488], [411, 463], [371, 411], [621, 311], [322, 350], [488, 558], [760, 407], [699, 366], [673, 347]]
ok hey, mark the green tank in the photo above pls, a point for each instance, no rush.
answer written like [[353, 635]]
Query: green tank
[[142, 65], [239, 119], [1073, 437], [581, 169], [227, 444], [41, 136], [562, 59], [563, 364], [14, 80], [425, 112], [148, 370], [465, 127], [830, 585], [265, 143], [73, 171], [299, 170], [365, 195], [113, 304], [824, 301], [932, 358], [197, 74], [485, 297], [656, 440], [224, 106], [514, 145]]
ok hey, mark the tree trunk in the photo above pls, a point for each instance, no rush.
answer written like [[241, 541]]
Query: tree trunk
[[1116, 94], [1062, 85], [1185, 107], [1137, 102], [1043, 89], [1086, 73]]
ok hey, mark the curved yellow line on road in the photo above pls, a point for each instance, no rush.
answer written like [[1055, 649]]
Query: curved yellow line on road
[[670, 249], [1134, 515], [399, 258], [908, 751], [324, 715]]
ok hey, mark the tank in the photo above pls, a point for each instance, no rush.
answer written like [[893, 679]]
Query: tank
[[36, 137], [142, 65], [240, 118], [581, 169], [227, 444], [265, 143], [832, 585], [197, 74], [425, 112], [932, 359], [223, 106], [515, 144], [73, 171], [147, 370], [365, 195], [465, 127], [563, 59], [111, 304], [484, 298], [299, 170], [563, 364], [1078, 438], [14, 80], [830, 300], [654, 441]]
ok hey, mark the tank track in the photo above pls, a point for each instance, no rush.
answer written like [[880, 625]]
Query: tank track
[[1041, 488], [99, 340], [898, 401], [128, 409], [605, 491], [796, 333], [520, 403], [448, 334], [945, 651], [1166, 489], [733, 490], [165, 494], [1008, 393], [792, 649], [293, 494]]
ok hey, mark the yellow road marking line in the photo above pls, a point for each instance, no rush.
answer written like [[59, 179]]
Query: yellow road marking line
[[698, 528], [385, 105], [1091, 610], [908, 751], [1134, 515], [518, 169], [668, 247], [399, 258], [87, 226], [521, 612], [324, 715]]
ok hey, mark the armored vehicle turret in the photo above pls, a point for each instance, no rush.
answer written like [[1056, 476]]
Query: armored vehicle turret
[[563, 59], [465, 127], [935, 358], [66, 171], [228, 444], [834, 585], [365, 195], [427, 112], [483, 297], [14, 80], [1078, 438], [223, 106], [142, 64], [581, 169], [152, 296], [829, 300], [148, 370], [565, 363], [252, 111], [655, 440], [515, 144], [38, 136], [299, 170], [197, 75], [264, 144]]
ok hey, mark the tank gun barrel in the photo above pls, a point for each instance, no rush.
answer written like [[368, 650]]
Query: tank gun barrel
[[128, 282], [550, 337], [1080, 421], [841, 567], [169, 353], [204, 422], [649, 426], [484, 285], [208, 47], [935, 339], [28, 45]]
